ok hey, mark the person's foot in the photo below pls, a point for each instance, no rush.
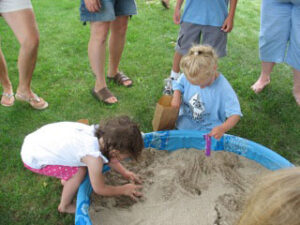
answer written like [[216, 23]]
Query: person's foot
[[7, 99], [35, 101], [67, 209], [260, 84], [121, 79], [104, 95], [165, 3]]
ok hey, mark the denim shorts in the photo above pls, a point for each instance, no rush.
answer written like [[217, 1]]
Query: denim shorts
[[190, 34], [109, 10]]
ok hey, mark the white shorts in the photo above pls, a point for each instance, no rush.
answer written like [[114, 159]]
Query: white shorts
[[14, 5]]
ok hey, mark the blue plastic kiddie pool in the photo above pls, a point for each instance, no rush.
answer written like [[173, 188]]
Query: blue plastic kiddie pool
[[178, 139]]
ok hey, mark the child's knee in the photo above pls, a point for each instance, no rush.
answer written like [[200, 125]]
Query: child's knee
[[82, 171]]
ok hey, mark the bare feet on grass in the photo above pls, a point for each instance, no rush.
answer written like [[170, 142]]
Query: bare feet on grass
[[67, 209], [260, 84]]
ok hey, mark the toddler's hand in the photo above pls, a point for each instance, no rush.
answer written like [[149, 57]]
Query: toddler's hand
[[131, 191], [132, 177], [175, 102], [217, 132]]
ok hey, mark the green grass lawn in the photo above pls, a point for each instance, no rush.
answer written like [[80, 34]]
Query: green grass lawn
[[63, 77]]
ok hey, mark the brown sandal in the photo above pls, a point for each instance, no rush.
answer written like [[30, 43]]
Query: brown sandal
[[103, 95], [120, 78], [165, 4]]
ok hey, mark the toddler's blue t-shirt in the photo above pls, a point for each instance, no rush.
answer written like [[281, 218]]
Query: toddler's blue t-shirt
[[205, 12], [205, 108]]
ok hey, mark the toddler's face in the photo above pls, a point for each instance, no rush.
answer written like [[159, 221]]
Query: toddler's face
[[205, 83]]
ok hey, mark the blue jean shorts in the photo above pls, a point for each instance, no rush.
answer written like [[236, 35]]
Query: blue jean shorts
[[279, 39], [109, 10]]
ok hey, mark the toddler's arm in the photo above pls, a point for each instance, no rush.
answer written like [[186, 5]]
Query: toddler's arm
[[97, 180], [217, 132], [117, 166], [176, 100]]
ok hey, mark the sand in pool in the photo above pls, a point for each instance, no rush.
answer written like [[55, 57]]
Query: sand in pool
[[180, 188]]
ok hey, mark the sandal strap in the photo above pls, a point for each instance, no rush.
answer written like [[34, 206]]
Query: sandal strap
[[120, 78], [26, 99], [35, 98], [104, 94], [8, 95]]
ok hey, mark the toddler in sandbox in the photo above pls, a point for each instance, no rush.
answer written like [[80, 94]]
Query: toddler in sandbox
[[67, 149], [206, 99]]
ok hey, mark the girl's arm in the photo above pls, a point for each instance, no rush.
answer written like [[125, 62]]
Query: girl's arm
[[176, 100], [117, 166], [97, 180], [217, 132]]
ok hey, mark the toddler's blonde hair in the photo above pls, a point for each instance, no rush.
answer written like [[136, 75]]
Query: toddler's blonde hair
[[199, 63], [275, 200]]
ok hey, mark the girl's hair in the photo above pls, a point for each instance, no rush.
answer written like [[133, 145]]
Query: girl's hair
[[275, 200], [199, 63], [122, 134]]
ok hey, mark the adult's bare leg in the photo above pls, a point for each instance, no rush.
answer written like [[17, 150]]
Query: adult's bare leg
[[117, 41], [96, 51], [296, 89], [24, 26], [264, 78], [7, 97]]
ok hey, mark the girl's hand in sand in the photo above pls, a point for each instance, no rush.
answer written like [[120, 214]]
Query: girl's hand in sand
[[132, 177], [131, 191], [217, 132]]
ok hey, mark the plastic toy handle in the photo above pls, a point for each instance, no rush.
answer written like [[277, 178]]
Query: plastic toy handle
[[207, 144]]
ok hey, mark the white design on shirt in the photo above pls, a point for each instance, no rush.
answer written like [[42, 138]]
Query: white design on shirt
[[196, 106]]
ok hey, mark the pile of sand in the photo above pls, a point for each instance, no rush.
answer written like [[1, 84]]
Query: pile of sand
[[184, 187]]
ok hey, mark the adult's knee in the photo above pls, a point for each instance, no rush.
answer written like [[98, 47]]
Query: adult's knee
[[122, 29], [99, 39], [30, 42], [99, 32]]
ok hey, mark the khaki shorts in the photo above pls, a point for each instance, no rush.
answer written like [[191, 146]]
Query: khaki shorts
[[191, 34], [14, 5]]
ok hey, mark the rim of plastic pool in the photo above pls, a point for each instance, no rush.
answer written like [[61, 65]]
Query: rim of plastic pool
[[177, 139]]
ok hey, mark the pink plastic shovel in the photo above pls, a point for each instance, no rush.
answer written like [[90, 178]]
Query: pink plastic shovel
[[207, 144]]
